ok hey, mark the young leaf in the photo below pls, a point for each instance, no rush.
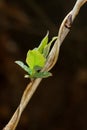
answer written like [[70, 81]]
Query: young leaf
[[43, 43], [35, 58], [42, 74], [36, 68], [23, 66], [46, 50], [47, 47]]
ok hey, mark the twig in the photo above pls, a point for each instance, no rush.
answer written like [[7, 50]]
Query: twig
[[52, 58]]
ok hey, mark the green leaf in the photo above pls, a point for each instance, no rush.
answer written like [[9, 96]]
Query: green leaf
[[46, 50], [42, 74], [35, 58], [36, 68], [43, 43], [47, 47], [23, 66]]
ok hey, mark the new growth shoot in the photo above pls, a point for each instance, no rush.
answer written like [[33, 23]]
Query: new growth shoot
[[36, 59]]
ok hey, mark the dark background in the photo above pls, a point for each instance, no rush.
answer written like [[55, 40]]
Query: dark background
[[60, 102]]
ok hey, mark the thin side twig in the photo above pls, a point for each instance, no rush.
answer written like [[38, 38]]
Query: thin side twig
[[52, 58]]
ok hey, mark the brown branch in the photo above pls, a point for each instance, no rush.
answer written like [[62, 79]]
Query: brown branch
[[52, 58]]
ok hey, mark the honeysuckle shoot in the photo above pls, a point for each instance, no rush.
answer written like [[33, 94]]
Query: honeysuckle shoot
[[36, 59]]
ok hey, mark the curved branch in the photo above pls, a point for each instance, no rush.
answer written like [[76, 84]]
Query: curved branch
[[52, 58]]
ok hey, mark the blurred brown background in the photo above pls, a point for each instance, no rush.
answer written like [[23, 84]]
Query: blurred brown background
[[60, 102]]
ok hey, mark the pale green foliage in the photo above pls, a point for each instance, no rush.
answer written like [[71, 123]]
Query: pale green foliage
[[43, 43], [36, 59]]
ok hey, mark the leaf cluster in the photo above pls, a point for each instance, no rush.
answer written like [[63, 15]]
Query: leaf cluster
[[36, 59]]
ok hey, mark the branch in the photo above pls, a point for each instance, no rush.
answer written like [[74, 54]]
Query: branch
[[52, 58]]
